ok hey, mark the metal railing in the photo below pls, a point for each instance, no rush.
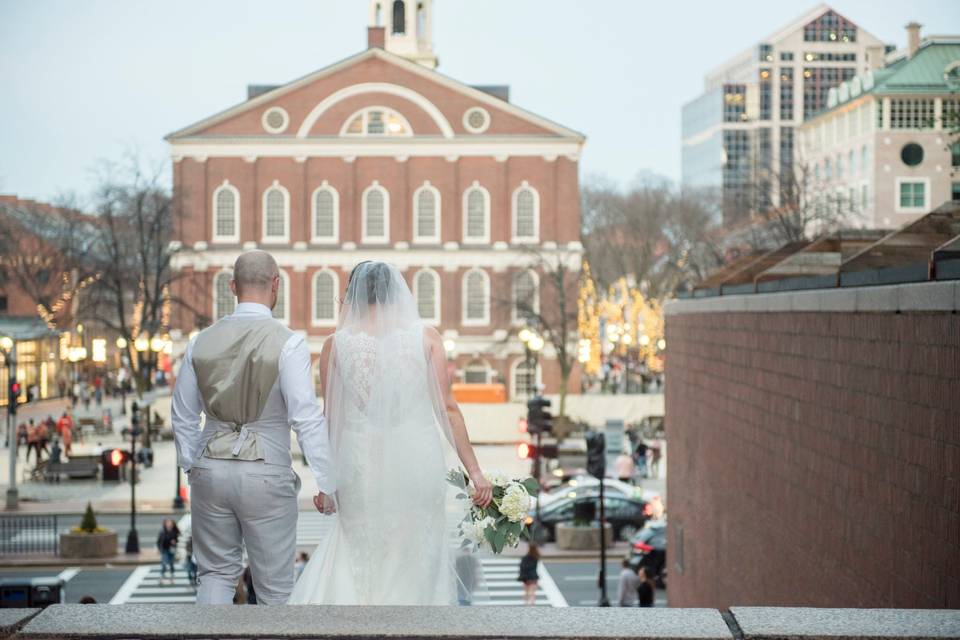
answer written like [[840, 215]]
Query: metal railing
[[28, 534]]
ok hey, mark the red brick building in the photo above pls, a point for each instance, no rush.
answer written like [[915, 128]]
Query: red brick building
[[379, 157]]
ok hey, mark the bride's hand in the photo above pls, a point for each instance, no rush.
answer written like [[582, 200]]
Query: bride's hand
[[482, 489]]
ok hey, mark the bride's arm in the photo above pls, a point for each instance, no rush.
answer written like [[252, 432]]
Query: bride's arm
[[458, 427]]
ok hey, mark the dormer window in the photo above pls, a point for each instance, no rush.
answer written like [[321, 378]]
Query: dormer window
[[376, 121]]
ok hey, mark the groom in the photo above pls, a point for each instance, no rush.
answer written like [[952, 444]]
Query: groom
[[251, 378]]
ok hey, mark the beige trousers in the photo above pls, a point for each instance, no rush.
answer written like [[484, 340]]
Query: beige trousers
[[237, 503]]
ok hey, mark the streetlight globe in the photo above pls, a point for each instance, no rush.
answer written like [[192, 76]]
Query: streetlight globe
[[156, 344], [644, 339], [449, 345], [661, 344], [121, 343], [525, 335], [80, 328], [627, 338], [6, 342], [141, 344], [536, 343]]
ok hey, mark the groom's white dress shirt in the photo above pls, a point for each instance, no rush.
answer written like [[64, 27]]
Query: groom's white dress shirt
[[290, 403]]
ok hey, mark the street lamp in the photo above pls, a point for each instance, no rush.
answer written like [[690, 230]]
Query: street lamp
[[532, 345]]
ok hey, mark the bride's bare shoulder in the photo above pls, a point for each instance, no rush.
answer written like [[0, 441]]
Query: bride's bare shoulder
[[431, 336]]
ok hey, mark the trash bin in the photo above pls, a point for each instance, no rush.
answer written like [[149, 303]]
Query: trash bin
[[31, 592]]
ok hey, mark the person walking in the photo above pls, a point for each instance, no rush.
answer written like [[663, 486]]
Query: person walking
[[529, 576], [75, 393], [85, 396], [302, 559], [22, 437], [646, 592], [65, 429], [167, 544], [629, 584], [640, 455], [33, 441], [191, 563], [625, 467]]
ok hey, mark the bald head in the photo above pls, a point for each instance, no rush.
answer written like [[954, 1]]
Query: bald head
[[255, 278]]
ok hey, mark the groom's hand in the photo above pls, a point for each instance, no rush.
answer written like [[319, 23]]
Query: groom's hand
[[324, 504]]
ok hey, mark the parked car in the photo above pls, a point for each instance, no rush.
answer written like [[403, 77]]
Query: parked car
[[584, 485], [648, 548], [625, 514]]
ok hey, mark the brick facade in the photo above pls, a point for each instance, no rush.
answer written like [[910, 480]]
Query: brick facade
[[814, 459]]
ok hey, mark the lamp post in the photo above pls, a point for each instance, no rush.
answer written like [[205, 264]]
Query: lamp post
[[141, 345], [9, 349], [133, 539], [122, 346], [532, 344]]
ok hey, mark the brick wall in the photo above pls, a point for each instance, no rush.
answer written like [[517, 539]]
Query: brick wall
[[814, 459]]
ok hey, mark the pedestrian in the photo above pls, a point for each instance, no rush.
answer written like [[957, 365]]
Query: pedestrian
[[98, 396], [33, 441], [647, 590], [655, 461], [640, 456], [191, 562], [248, 585], [528, 574], [167, 544], [302, 559], [85, 396], [468, 571], [65, 429], [22, 437], [629, 583], [43, 436], [625, 467], [34, 393], [75, 394]]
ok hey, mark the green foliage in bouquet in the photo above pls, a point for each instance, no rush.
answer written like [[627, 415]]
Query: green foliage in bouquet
[[499, 530]]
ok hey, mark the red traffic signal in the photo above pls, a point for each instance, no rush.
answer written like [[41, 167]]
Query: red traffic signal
[[117, 457], [15, 389], [13, 396], [526, 451], [522, 425]]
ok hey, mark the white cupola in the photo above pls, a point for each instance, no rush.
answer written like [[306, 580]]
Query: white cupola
[[408, 28]]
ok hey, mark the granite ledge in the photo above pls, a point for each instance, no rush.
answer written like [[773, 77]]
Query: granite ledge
[[778, 623], [12, 619]]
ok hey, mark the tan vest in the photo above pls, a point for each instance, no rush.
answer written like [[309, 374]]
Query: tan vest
[[237, 363]]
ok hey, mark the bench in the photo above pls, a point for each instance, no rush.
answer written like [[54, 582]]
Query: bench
[[73, 469]]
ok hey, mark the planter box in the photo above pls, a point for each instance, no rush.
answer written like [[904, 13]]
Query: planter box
[[88, 545], [576, 538]]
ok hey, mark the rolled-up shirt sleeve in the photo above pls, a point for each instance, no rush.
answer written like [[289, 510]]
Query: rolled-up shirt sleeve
[[303, 412], [186, 407]]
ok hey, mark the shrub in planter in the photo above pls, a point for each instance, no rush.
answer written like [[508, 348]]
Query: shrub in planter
[[89, 540]]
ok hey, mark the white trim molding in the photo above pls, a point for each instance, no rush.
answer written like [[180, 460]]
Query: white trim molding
[[476, 322], [385, 238], [437, 296], [516, 239], [325, 187], [375, 87], [925, 181], [538, 377], [471, 128], [335, 290], [433, 238], [485, 238], [281, 239], [225, 186]]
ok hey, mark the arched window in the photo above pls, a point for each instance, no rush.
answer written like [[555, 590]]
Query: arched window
[[399, 17], [526, 298], [281, 311], [426, 206], [525, 379], [224, 301], [476, 215], [276, 214], [476, 298], [376, 214], [326, 214], [426, 291], [226, 213], [526, 214], [325, 287], [376, 121], [476, 372]]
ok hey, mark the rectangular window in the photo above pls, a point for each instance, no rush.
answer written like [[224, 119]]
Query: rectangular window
[[829, 56], [786, 56], [912, 195], [911, 114], [766, 97], [817, 82], [3, 302], [955, 191], [734, 102], [786, 93], [955, 154], [765, 53], [864, 194]]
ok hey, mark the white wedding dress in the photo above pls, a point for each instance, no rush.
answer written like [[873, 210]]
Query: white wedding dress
[[389, 544]]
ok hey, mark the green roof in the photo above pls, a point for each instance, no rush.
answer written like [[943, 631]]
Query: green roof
[[25, 328], [923, 73]]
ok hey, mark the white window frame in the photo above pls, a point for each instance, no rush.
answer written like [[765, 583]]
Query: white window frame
[[485, 238], [229, 274], [385, 238], [466, 120], [926, 194], [435, 238], [435, 320], [266, 114], [324, 322], [226, 186], [536, 215], [363, 134], [538, 377], [335, 238], [474, 322], [285, 283], [487, 370], [514, 318], [285, 238]]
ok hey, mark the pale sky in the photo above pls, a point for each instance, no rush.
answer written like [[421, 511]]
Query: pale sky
[[85, 80]]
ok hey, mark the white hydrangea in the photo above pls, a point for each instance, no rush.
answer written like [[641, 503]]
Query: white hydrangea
[[515, 503], [497, 478], [474, 531]]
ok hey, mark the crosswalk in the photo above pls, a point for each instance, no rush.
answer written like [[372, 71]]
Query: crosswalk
[[498, 587]]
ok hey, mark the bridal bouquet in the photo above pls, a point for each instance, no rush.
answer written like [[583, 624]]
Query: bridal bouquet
[[503, 522]]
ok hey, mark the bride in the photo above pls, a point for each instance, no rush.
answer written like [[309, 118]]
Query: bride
[[395, 431]]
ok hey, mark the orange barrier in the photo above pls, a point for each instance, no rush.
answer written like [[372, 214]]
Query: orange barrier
[[480, 393]]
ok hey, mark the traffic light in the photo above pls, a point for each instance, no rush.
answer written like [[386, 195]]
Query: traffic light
[[596, 454], [522, 425], [539, 420], [13, 395], [528, 451], [112, 461]]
